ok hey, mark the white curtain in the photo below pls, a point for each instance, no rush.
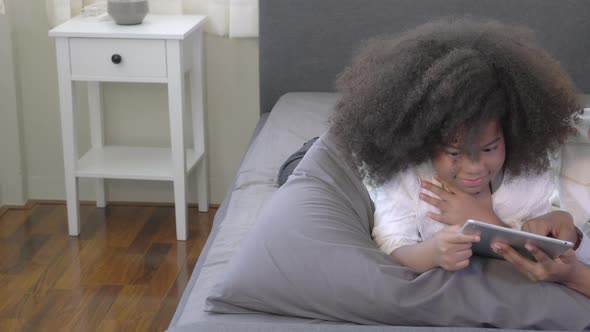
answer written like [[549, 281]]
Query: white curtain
[[236, 18], [59, 11]]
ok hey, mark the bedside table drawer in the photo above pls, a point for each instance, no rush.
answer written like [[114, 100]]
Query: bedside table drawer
[[117, 58]]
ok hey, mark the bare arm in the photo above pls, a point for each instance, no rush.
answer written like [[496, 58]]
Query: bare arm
[[418, 257], [580, 279], [448, 249]]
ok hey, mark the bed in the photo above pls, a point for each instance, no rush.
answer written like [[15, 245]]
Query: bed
[[303, 45]]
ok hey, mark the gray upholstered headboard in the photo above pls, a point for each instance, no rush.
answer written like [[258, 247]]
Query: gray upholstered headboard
[[305, 43]]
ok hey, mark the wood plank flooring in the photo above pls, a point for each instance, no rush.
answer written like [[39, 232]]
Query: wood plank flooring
[[125, 272]]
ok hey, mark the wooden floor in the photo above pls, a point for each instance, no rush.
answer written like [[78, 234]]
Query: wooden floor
[[125, 272]]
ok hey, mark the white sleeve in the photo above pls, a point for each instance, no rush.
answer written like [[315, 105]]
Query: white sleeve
[[583, 251], [574, 178], [395, 222], [530, 197], [546, 186], [540, 195]]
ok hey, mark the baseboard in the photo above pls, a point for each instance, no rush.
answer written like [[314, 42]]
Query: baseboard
[[27, 205], [118, 190]]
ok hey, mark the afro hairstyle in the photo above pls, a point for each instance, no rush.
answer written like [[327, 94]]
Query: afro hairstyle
[[404, 96]]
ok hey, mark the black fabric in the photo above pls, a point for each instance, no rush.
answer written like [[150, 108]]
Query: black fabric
[[289, 165]]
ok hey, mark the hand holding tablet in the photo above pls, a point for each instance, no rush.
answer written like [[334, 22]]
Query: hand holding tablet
[[517, 239]]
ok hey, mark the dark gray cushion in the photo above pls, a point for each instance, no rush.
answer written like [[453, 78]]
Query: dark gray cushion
[[311, 255], [291, 163]]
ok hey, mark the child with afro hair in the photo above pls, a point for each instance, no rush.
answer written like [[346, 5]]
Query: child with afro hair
[[457, 119]]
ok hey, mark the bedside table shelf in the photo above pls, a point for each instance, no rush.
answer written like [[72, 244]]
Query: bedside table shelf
[[160, 50], [136, 163]]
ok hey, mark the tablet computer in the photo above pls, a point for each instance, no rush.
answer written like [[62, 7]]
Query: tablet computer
[[489, 233]]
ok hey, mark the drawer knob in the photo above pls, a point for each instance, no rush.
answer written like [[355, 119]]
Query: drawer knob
[[116, 59]]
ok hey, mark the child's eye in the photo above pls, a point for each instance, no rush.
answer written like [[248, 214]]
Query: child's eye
[[490, 149], [453, 153]]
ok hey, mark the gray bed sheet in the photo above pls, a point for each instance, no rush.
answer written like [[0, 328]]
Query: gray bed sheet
[[296, 118]]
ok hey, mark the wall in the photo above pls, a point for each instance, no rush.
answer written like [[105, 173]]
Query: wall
[[30, 139], [135, 114], [12, 189]]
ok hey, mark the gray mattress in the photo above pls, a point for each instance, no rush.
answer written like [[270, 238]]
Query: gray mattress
[[295, 118]]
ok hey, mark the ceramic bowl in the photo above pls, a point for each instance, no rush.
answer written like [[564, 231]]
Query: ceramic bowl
[[127, 12]]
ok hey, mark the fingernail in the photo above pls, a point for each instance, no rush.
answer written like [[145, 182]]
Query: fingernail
[[495, 247], [528, 247]]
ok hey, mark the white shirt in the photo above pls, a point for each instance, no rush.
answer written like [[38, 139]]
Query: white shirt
[[583, 251], [574, 174], [574, 181], [400, 215]]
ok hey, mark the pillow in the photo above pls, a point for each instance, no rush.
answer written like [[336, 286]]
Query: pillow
[[311, 255], [574, 176]]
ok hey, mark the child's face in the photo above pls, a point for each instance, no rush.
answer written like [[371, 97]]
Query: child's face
[[456, 165]]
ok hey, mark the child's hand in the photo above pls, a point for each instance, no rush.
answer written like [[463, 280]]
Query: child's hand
[[452, 248], [456, 207]]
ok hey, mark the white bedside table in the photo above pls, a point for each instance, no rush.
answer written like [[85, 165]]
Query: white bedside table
[[160, 50]]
